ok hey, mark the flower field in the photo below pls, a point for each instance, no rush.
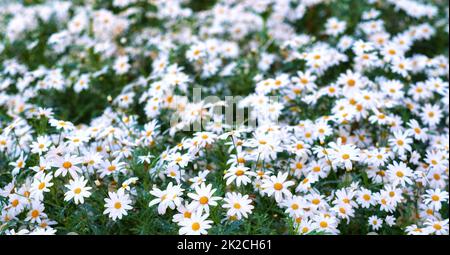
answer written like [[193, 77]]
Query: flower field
[[224, 117]]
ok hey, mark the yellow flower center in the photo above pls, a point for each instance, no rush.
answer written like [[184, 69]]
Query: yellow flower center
[[437, 227], [77, 191], [67, 165], [41, 186], [203, 200], [278, 186], [35, 214], [381, 173], [117, 205], [195, 226], [15, 202], [435, 198]]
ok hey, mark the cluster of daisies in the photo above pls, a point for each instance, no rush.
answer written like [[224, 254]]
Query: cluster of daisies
[[346, 124]]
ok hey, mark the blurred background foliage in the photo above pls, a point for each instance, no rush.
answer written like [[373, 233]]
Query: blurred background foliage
[[81, 108]]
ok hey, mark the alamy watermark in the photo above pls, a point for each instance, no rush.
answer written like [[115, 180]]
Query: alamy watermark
[[232, 111]]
